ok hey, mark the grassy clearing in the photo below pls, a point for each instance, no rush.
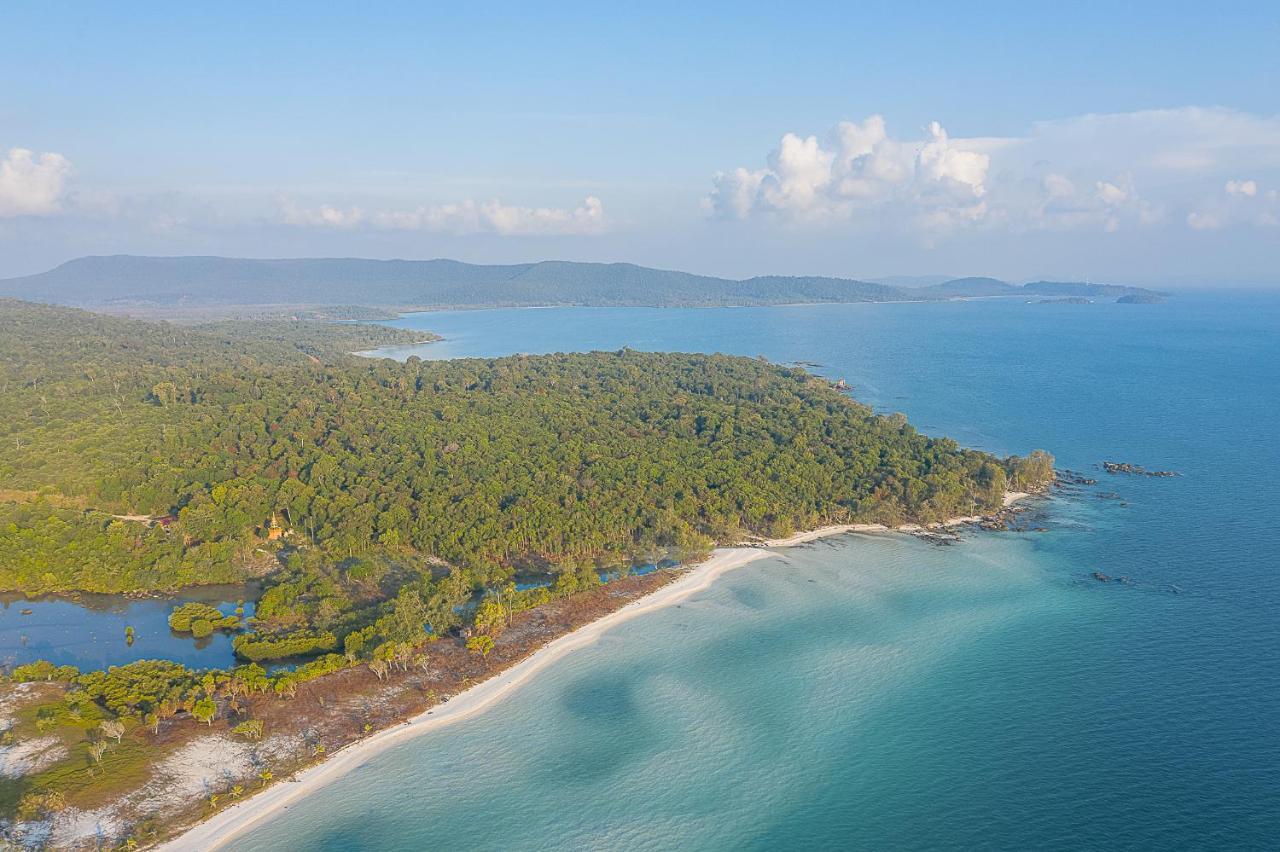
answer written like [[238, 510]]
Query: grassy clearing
[[87, 784], [82, 781]]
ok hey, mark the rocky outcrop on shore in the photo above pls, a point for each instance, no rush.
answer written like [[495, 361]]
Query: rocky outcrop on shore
[[1006, 518]]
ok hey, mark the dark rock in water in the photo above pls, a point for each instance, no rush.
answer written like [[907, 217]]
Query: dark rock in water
[[1145, 298], [1100, 577], [940, 537], [1134, 469]]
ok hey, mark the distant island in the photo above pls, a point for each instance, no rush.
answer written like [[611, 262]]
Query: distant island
[[1140, 299], [202, 284]]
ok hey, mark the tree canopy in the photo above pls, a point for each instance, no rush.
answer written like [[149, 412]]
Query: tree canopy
[[393, 503], [484, 464]]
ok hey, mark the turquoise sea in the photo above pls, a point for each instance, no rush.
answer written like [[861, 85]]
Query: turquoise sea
[[886, 693]]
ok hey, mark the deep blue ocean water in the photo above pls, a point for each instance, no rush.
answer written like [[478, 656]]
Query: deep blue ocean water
[[885, 693]]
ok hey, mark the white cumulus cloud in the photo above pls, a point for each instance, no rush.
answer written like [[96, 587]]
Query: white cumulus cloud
[[1203, 221], [944, 162], [1104, 172], [1242, 202], [32, 185], [1242, 187], [859, 168], [325, 215], [1112, 194], [464, 217]]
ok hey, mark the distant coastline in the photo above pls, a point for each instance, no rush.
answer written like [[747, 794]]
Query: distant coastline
[[227, 825], [201, 286]]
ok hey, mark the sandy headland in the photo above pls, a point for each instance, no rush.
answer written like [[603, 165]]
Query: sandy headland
[[228, 824]]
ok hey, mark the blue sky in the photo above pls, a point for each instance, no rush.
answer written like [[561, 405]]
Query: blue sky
[[1130, 141]]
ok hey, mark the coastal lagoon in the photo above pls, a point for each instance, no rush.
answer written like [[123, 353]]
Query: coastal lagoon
[[88, 630], [885, 692]]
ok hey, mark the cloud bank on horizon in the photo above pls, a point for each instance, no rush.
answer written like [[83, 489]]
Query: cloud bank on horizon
[[465, 217], [1162, 173], [1192, 167]]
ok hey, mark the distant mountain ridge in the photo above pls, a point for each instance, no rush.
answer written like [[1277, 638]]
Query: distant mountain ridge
[[124, 280]]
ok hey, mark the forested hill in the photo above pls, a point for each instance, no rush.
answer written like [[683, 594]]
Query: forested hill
[[37, 341], [203, 281], [556, 461]]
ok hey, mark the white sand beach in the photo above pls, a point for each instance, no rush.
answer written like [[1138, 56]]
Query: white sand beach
[[228, 824], [233, 821]]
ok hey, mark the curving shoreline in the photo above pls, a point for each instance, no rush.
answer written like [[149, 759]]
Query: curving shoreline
[[228, 824]]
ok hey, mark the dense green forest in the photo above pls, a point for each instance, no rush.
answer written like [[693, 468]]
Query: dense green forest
[[382, 476]]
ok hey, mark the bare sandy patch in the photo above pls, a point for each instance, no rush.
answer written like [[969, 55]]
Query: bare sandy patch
[[30, 756], [203, 766]]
